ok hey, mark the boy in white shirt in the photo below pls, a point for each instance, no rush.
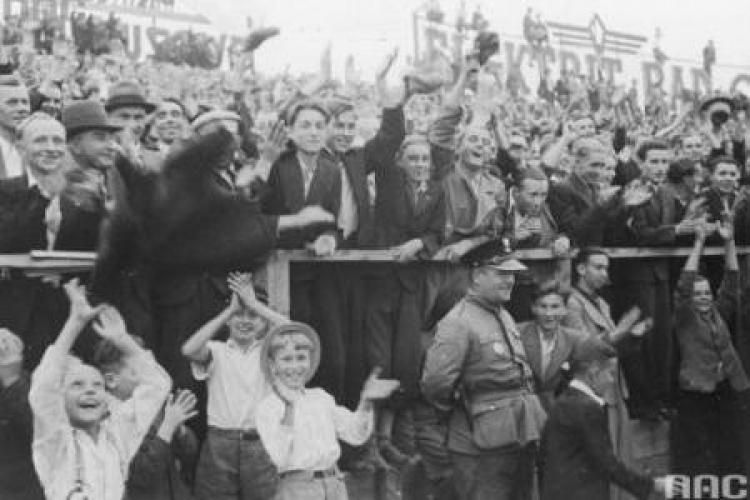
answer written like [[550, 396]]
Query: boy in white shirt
[[82, 447], [233, 464], [301, 427]]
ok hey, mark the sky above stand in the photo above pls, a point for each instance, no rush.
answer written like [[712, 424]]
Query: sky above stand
[[367, 29]]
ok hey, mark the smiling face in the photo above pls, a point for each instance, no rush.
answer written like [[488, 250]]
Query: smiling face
[[169, 121], [415, 160], [549, 310], [245, 327], [703, 297], [291, 361], [341, 132], [308, 131], [725, 177], [493, 285], [85, 397], [43, 145], [477, 148], [692, 148], [583, 127]]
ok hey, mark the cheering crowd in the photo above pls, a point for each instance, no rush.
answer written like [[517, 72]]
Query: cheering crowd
[[165, 374]]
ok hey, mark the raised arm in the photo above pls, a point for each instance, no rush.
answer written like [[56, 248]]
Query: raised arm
[[196, 347], [684, 290]]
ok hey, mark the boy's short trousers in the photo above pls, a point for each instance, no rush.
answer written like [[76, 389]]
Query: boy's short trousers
[[233, 464], [312, 485]]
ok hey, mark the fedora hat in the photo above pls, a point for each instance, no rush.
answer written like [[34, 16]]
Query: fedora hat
[[127, 94], [86, 115], [291, 327]]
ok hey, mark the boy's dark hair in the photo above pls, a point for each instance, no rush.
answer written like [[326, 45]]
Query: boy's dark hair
[[306, 105], [589, 352], [651, 145], [108, 358], [717, 160], [584, 254], [532, 174]]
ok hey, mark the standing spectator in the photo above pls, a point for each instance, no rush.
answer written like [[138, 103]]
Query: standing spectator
[[14, 108], [713, 386], [82, 446], [18, 480], [38, 214], [127, 108], [709, 57], [583, 206], [478, 352], [581, 463], [233, 463], [169, 125], [547, 343], [301, 427]]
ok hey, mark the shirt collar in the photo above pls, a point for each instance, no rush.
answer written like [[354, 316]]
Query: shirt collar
[[584, 388], [231, 344]]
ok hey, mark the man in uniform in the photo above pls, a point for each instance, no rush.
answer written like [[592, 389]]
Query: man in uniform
[[495, 424]]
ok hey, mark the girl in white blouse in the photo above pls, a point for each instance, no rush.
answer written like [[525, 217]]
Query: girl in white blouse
[[300, 427]]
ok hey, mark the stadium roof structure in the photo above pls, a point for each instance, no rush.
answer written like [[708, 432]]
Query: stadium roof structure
[[177, 13]]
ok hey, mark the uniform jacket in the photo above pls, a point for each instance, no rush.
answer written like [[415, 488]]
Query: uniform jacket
[[580, 462], [477, 352]]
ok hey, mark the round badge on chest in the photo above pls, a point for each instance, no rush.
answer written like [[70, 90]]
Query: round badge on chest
[[499, 348]]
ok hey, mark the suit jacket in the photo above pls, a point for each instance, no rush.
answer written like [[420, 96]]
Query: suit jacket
[[580, 216], [33, 309], [542, 239], [580, 462], [286, 195], [377, 153], [550, 381], [399, 219], [589, 315]]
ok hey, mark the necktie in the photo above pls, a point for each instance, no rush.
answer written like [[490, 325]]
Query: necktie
[[421, 201]]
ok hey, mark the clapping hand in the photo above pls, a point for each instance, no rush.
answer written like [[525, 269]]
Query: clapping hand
[[376, 388], [241, 284], [408, 251], [636, 194], [110, 324], [642, 327], [80, 309]]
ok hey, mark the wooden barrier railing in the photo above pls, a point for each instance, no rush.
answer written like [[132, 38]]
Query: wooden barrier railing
[[278, 267], [277, 271]]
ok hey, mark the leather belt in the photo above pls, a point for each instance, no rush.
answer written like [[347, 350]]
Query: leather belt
[[236, 434]]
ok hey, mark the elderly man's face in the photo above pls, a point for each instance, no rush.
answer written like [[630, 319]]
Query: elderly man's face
[[95, 147], [43, 145], [14, 104], [131, 119], [169, 122]]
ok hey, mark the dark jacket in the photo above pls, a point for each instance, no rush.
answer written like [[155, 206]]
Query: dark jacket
[[580, 463], [286, 195], [18, 478], [704, 342], [580, 216], [358, 163], [400, 219], [154, 472], [550, 381]]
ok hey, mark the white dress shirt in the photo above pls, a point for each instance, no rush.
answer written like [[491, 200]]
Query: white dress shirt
[[11, 159], [235, 384], [52, 215], [311, 443], [63, 454]]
